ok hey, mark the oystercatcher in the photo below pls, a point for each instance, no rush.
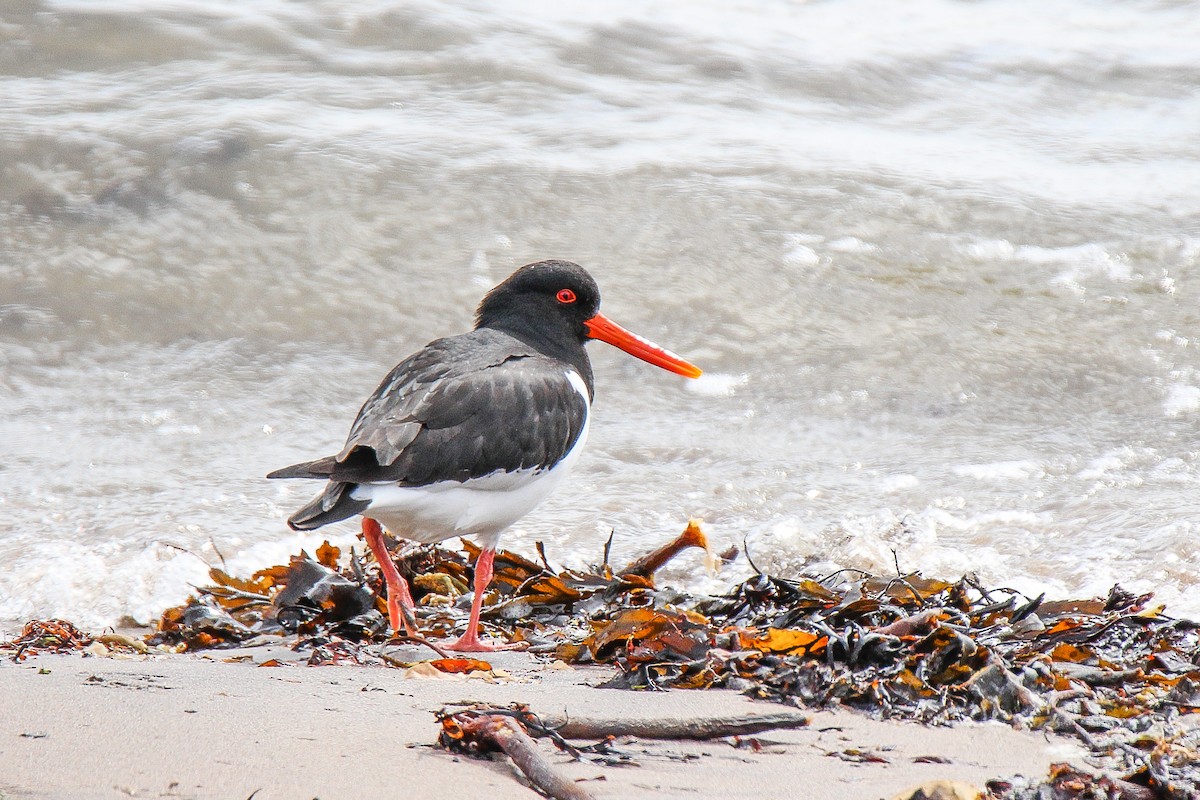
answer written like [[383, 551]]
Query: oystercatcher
[[467, 435]]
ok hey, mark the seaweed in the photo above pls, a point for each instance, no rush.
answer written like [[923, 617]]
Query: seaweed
[[1116, 673]]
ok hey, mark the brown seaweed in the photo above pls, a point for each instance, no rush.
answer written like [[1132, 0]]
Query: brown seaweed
[[1116, 673]]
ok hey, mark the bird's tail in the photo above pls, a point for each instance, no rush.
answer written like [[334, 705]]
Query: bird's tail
[[332, 505], [321, 468]]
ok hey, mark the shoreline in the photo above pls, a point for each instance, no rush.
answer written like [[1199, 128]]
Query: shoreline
[[286, 679], [201, 726]]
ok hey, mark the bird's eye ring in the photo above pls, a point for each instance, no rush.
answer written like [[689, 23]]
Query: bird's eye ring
[[565, 296]]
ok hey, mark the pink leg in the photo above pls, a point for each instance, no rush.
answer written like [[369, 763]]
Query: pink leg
[[470, 642], [399, 601]]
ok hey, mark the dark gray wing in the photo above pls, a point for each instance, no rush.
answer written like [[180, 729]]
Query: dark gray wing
[[461, 408]]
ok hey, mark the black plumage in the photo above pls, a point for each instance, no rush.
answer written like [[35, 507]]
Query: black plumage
[[496, 399], [468, 435]]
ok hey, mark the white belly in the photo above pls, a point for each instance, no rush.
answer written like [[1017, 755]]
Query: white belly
[[481, 507]]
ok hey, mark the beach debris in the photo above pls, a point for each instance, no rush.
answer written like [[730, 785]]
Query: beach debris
[[46, 635], [481, 731], [60, 636], [1116, 673], [856, 755], [123, 642], [941, 790], [460, 665], [200, 625], [1067, 782], [692, 536], [580, 727], [322, 597], [315, 595], [306, 596]]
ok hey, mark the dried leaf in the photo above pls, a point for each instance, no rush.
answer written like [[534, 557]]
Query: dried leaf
[[1073, 654], [460, 665], [1124, 711], [780, 640], [506, 560], [908, 588], [328, 555], [1082, 608], [548, 589], [252, 586], [643, 625], [1151, 613]]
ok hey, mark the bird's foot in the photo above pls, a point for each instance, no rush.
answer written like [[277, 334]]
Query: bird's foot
[[399, 602], [470, 642]]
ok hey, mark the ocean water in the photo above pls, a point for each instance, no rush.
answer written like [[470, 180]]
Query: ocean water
[[940, 261]]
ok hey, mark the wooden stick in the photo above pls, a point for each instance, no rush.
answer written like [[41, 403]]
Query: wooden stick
[[572, 727], [506, 734]]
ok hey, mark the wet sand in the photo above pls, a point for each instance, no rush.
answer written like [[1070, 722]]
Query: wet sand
[[198, 726]]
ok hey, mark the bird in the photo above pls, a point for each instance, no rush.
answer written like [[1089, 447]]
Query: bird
[[470, 433]]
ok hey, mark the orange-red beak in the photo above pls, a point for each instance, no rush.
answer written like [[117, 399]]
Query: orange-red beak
[[602, 328]]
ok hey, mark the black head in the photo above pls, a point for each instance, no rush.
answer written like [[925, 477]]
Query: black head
[[547, 301], [555, 306]]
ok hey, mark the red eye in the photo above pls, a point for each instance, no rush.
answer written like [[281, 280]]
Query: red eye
[[565, 296]]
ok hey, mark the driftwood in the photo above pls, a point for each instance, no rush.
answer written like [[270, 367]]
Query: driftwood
[[486, 729], [573, 727], [482, 733]]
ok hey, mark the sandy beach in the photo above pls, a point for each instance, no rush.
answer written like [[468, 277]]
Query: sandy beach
[[938, 261], [203, 726]]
